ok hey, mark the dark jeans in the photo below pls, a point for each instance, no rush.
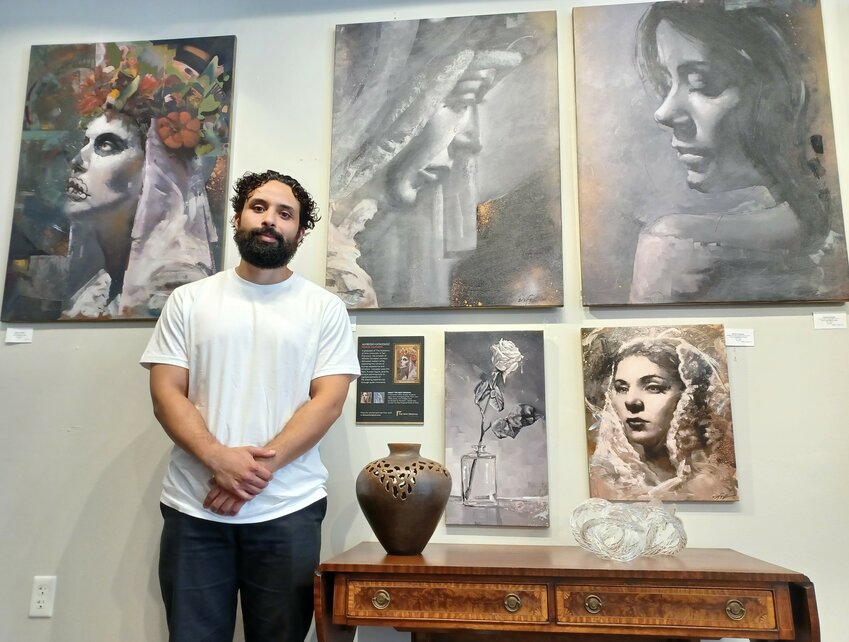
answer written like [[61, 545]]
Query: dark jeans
[[204, 565]]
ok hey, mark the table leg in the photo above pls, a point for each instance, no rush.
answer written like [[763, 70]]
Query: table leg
[[325, 630]]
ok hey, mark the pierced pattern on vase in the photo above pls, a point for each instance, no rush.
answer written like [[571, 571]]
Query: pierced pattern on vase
[[398, 481]]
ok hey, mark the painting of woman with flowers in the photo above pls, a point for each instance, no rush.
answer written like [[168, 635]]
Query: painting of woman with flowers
[[495, 436], [121, 193]]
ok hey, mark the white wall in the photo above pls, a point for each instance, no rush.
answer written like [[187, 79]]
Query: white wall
[[82, 456]]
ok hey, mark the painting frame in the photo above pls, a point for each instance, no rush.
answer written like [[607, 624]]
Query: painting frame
[[727, 192], [432, 203], [122, 182], [496, 443], [658, 413]]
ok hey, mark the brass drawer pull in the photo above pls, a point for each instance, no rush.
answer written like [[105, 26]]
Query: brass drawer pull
[[512, 602], [735, 609], [380, 600], [593, 604]]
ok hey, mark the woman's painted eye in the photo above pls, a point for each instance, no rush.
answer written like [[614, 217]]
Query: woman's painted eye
[[109, 144], [706, 83], [656, 388], [620, 386]]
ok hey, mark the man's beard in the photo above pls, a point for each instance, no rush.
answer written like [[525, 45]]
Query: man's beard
[[263, 254]]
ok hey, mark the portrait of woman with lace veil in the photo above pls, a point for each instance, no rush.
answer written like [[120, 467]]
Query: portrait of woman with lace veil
[[658, 407], [121, 193]]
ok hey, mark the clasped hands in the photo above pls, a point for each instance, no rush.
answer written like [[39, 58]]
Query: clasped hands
[[239, 474]]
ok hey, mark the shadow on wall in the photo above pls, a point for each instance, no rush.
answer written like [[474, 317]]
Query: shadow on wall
[[342, 508], [113, 549]]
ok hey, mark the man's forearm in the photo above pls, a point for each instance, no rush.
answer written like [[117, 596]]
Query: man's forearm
[[311, 421], [184, 424], [303, 431], [236, 469]]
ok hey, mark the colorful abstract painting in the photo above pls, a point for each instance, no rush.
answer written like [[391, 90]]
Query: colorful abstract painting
[[495, 429], [122, 178], [658, 408], [706, 158], [445, 169]]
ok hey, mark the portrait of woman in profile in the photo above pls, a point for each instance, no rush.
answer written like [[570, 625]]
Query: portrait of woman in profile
[[733, 97], [659, 415], [133, 214], [707, 168]]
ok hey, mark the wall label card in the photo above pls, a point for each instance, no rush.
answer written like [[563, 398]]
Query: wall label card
[[739, 337], [18, 335], [830, 320]]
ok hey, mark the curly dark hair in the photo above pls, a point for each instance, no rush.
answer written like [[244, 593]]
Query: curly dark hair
[[251, 181]]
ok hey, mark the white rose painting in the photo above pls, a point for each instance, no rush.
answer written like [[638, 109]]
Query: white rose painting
[[495, 437]]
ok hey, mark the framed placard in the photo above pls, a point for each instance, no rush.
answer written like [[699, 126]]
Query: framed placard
[[390, 389]]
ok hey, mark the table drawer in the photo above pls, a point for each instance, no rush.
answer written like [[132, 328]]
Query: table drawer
[[450, 601], [715, 608]]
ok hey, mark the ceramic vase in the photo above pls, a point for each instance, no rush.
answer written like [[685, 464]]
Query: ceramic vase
[[403, 496]]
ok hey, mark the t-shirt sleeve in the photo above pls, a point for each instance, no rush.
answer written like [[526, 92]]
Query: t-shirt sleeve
[[168, 343], [337, 353]]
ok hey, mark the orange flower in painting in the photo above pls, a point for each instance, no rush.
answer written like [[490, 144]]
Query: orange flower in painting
[[91, 101], [93, 92], [148, 85], [179, 129]]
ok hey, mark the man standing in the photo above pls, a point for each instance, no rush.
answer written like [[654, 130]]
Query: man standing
[[249, 368]]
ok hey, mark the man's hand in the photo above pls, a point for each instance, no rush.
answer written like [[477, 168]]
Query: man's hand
[[239, 470], [222, 502], [246, 470]]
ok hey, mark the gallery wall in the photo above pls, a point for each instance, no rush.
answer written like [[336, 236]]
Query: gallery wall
[[82, 457]]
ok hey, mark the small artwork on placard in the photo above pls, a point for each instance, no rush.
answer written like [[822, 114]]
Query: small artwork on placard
[[495, 430], [407, 362], [390, 389], [658, 411]]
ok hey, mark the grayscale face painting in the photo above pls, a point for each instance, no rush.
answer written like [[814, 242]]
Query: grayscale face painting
[[445, 177], [706, 162], [121, 192], [658, 409]]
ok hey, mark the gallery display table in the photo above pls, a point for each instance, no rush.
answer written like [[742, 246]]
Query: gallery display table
[[464, 592]]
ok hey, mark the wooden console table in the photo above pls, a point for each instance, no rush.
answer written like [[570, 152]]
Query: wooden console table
[[465, 592]]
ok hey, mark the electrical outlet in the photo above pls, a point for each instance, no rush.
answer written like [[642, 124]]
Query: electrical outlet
[[43, 595]]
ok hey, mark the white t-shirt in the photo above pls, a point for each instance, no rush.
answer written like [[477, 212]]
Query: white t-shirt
[[251, 351]]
